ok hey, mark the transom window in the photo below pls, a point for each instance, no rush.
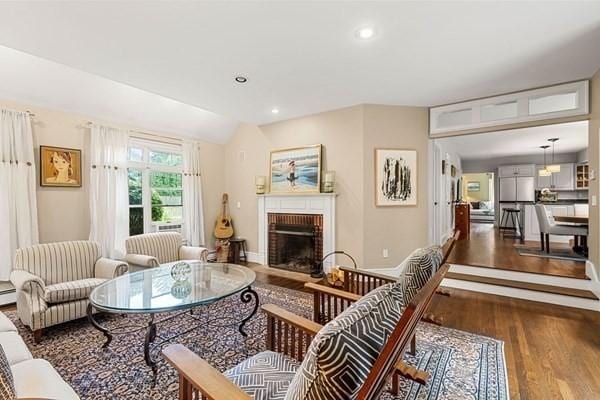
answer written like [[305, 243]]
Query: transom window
[[155, 185]]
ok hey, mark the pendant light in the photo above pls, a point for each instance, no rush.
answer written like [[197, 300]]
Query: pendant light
[[553, 168], [544, 171]]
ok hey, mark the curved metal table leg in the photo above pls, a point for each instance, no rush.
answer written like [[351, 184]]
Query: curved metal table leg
[[98, 326], [150, 336], [246, 297]]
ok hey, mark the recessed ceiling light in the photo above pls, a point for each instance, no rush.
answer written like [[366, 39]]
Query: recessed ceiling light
[[275, 111], [365, 33], [241, 79]]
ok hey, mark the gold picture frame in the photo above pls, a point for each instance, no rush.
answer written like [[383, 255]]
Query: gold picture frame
[[295, 170], [60, 167]]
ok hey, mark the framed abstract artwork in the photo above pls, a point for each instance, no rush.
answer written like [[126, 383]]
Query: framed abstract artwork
[[395, 177], [60, 167], [296, 170]]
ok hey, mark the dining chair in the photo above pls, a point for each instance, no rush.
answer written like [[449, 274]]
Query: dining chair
[[549, 227]]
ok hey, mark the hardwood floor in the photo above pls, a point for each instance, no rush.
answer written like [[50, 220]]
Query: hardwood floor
[[486, 248], [552, 352]]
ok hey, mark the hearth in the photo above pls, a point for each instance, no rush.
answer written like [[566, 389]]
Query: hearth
[[295, 241]]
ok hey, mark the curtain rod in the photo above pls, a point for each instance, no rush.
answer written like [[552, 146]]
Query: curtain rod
[[152, 136]]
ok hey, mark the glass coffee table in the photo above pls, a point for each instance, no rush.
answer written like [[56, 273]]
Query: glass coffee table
[[178, 286]]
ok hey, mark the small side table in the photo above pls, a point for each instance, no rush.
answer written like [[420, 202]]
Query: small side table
[[237, 251]]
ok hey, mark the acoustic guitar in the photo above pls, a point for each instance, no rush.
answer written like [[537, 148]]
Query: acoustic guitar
[[224, 227]]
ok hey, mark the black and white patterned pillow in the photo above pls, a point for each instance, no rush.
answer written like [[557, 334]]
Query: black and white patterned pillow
[[341, 355], [420, 267], [7, 384]]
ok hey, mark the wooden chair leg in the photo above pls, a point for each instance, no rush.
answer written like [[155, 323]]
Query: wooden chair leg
[[409, 372], [413, 346], [37, 336], [395, 385], [542, 240], [432, 319], [547, 243]]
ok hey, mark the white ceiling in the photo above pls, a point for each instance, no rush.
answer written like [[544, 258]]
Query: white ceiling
[[304, 57], [36, 81], [519, 142]]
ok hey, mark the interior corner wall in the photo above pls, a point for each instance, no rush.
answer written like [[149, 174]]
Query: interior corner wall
[[399, 229], [63, 213], [340, 133], [594, 162]]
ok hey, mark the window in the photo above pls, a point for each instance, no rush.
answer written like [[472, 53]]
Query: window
[[155, 185]]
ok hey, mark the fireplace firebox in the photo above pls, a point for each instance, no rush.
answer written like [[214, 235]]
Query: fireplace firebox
[[295, 241]]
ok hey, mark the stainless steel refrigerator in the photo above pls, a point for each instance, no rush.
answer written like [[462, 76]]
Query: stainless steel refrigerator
[[517, 189]]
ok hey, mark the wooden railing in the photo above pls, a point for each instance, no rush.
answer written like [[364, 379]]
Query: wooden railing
[[329, 302], [362, 282]]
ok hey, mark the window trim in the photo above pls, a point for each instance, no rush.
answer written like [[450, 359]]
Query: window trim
[[146, 167]]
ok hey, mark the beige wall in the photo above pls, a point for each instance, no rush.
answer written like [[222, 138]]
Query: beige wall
[[63, 213], [349, 137], [484, 187], [340, 133], [594, 162], [398, 229]]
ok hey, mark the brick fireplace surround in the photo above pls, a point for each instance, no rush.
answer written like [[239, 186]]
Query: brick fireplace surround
[[319, 208]]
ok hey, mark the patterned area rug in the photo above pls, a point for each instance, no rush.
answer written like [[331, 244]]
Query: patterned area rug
[[462, 365]]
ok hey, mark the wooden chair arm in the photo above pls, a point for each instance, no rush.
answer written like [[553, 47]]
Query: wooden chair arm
[[197, 374], [368, 273], [360, 281], [291, 319], [329, 302], [288, 333], [332, 292]]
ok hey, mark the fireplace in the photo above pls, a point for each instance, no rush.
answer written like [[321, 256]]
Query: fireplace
[[295, 241]]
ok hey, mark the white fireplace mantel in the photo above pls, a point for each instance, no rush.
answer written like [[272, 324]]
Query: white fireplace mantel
[[317, 203]]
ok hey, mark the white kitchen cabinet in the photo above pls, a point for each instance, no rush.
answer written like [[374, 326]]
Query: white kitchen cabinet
[[506, 171], [565, 179]]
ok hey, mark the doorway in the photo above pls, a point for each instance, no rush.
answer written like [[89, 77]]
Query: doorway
[[489, 164]]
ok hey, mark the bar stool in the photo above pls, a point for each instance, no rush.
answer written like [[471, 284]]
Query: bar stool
[[237, 246], [512, 214]]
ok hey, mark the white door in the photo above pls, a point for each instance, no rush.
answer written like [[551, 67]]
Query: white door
[[436, 208]]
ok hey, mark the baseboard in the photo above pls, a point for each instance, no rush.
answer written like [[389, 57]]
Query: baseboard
[[255, 257]]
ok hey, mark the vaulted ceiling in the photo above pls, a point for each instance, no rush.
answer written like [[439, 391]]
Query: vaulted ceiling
[[305, 57]]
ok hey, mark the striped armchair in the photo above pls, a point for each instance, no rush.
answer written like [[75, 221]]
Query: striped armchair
[[53, 281], [152, 249]]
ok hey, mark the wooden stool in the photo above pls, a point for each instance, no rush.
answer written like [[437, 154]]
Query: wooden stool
[[237, 246]]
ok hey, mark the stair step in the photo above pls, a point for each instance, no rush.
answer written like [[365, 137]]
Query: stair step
[[584, 294]]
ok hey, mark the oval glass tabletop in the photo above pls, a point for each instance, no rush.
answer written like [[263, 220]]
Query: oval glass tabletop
[[172, 286]]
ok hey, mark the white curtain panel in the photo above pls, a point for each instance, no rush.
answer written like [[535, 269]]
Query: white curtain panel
[[193, 214], [109, 203], [18, 205]]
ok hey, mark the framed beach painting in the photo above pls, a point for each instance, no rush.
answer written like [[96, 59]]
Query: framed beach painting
[[395, 177], [296, 170], [60, 167]]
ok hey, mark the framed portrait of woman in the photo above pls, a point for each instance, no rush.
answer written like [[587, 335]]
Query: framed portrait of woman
[[60, 167]]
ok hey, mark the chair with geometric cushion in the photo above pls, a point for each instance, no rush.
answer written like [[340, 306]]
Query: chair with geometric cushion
[[152, 249], [417, 269], [351, 357], [53, 281]]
